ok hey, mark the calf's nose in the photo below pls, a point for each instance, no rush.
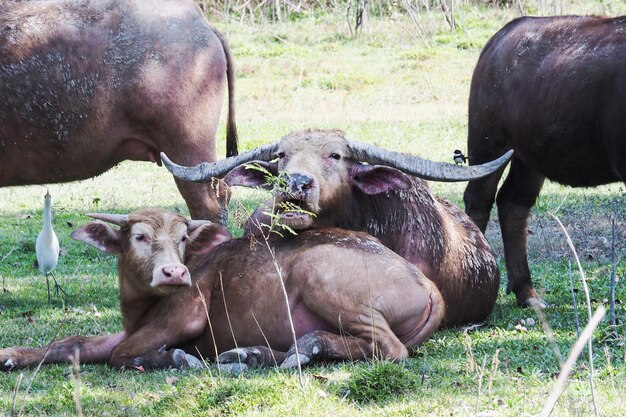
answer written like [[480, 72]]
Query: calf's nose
[[174, 271], [172, 274]]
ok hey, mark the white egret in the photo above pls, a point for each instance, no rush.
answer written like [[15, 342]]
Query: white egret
[[47, 247]]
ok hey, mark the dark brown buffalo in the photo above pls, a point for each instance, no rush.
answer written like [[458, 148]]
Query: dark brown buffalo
[[349, 298], [554, 90], [323, 176], [87, 84]]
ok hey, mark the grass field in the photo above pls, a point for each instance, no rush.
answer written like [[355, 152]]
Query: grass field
[[381, 87]]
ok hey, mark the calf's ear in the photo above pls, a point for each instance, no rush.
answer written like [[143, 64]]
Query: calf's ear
[[99, 235], [252, 174], [204, 238], [376, 179]]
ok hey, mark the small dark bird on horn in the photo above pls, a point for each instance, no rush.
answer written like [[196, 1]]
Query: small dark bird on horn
[[459, 158]]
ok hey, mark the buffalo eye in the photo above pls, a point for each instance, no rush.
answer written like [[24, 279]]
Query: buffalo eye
[[140, 237], [335, 155]]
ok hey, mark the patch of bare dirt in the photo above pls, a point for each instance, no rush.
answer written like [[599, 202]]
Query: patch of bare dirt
[[589, 226]]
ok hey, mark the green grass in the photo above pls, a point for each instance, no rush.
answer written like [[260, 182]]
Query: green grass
[[382, 88]]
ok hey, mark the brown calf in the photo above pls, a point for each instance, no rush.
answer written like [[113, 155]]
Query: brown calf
[[349, 298]]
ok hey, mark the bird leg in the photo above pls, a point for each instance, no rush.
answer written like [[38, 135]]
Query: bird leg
[[48, 284], [57, 287]]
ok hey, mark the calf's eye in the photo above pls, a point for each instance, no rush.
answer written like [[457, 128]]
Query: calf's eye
[[281, 155], [140, 238], [335, 155]]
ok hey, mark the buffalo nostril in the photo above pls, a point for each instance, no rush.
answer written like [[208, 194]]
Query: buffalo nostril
[[299, 182], [172, 271]]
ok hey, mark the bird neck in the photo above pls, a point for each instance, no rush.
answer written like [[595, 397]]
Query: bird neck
[[47, 215]]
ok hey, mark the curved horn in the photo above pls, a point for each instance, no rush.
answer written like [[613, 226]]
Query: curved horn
[[423, 168], [205, 171], [117, 219]]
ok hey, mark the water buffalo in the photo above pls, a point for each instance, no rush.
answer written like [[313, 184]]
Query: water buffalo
[[554, 90], [323, 175], [87, 84], [349, 298]]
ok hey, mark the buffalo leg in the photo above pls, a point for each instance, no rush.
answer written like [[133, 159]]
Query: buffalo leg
[[515, 201], [480, 195], [312, 347], [162, 358], [206, 201], [146, 347], [90, 350], [360, 340], [320, 345]]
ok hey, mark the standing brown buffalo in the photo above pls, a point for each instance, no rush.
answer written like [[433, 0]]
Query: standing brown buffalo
[[554, 90], [323, 175], [350, 298], [87, 84]]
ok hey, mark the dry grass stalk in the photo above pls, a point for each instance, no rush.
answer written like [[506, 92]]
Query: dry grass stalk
[[583, 279], [7, 255], [230, 324], [547, 329], [267, 342], [495, 363], [266, 235], [15, 391], [481, 374], [206, 312], [470, 362], [578, 347], [284, 290], [75, 376], [574, 302]]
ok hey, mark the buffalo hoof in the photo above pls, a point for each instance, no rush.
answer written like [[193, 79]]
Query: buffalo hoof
[[534, 302], [240, 360], [9, 365], [234, 368], [309, 348], [184, 360], [292, 361]]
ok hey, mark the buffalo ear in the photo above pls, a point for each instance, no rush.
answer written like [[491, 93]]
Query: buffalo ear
[[252, 174], [376, 179], [204, 238], [99, 235]]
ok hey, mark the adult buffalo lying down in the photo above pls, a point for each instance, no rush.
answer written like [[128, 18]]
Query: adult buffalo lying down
[[349, 298], [554, 90], [87, 84], [324, 176]]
